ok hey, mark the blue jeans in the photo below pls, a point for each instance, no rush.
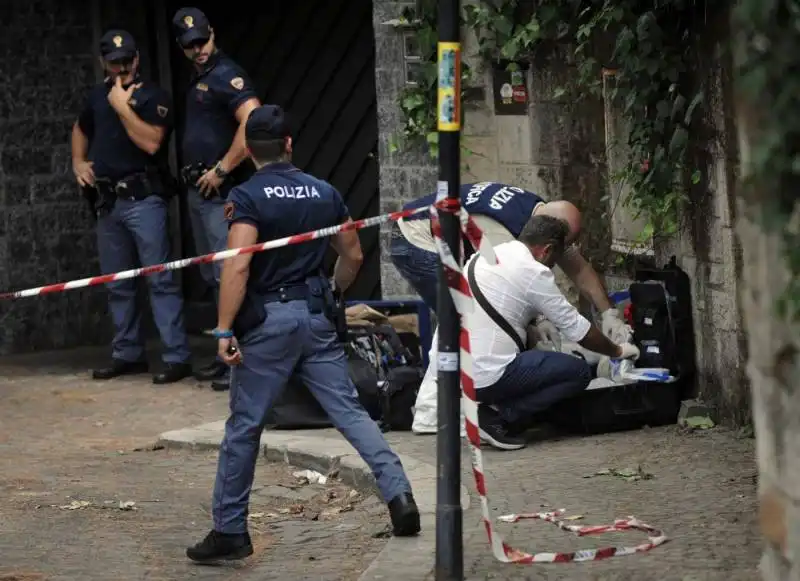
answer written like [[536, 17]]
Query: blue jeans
[[292, 339], [210, 232], [135, 233], [417, 266], [535, 381]]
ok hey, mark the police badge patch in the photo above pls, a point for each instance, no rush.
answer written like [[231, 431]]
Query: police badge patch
[[228, 210], [161, 110], [237, 83]]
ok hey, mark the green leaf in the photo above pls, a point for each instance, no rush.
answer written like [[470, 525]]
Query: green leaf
[[412, 101], [432, 138], [503, 25], [698, 99], [699, 422], [679, 140], [677, 106]]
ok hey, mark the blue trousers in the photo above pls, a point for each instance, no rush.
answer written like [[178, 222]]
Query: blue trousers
[[292, 340], [419, 267], [135, 233], [536, 381], [210, 232]]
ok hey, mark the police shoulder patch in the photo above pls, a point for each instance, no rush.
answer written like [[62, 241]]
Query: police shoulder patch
[[237, 83], [161, 110], [228, 210]]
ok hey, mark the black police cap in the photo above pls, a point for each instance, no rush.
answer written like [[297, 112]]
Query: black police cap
[[117, 44], [190, 24], [265, 123]]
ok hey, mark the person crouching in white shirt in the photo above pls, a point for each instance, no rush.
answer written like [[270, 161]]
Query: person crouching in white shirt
[[513, 385]]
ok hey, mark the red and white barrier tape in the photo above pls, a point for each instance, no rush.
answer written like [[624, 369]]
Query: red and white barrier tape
[[462, 298], [215, 257]]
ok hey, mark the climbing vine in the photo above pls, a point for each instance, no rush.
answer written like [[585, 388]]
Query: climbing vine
[[767, 45], [649, 47], [418, 102]]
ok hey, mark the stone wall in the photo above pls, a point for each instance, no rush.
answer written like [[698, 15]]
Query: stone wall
[[529, 150], [709, 251], [404, 175], [46, 233]]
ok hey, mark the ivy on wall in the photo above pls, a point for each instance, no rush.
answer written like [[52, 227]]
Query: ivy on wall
[[648, 45], [766, 50], [418, 103]]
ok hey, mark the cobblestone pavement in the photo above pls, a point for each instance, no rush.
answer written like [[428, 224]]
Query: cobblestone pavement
[[702, 493], [67, 441]]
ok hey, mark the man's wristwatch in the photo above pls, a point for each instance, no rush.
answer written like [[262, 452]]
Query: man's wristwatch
[[219, 171]]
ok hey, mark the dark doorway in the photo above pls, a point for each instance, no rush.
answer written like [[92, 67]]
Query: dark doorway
[[315, 58]]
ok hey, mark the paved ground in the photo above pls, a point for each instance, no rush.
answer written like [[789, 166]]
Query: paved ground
[[63, 436], [72, 450]]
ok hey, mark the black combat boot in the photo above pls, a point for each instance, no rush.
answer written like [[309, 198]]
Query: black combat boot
[[221, 547], [216, 370], [223, 384], [405, 515], [119, 367], [173, 372]]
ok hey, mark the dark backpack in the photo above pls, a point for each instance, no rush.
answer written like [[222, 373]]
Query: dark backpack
[[398, 396]]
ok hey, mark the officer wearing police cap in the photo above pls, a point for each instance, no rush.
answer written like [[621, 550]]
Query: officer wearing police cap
[[275, 320], [218, 101], [117, 154]]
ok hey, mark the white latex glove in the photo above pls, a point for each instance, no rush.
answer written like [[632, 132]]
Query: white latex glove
[[629, 351], [549, 333], [614, 327]]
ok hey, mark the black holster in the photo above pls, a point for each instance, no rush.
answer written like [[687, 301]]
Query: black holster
[[336, 314]]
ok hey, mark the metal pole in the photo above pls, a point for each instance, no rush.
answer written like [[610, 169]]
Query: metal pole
[[449, 517]]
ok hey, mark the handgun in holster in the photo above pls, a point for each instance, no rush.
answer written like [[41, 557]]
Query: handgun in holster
[[339, 315]]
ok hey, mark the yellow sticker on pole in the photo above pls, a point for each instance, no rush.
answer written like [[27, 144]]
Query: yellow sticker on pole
[[449, 101]]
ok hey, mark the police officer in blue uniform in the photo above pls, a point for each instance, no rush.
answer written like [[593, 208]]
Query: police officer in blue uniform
[[218, 101], [275, 312], [413, 249], [116, 156], [501, 210]]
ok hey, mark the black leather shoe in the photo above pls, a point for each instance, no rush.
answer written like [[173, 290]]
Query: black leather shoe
[[405, 515], [119, 367], [222, 384], [173, 372], [221, 547], [216, 370]]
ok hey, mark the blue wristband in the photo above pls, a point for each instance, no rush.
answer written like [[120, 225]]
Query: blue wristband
[[222, 334]]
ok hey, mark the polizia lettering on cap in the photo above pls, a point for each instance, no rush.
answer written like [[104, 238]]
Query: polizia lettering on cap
[[296, 192]]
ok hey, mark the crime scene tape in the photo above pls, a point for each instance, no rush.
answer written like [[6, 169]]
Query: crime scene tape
[[216, 256], [463, 300]]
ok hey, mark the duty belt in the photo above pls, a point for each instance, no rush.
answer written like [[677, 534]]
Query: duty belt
[[133, 187]]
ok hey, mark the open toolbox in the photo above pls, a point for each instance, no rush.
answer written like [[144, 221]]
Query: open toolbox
[[657, 305]]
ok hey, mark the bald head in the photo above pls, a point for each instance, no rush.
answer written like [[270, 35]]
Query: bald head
[[563, 210]]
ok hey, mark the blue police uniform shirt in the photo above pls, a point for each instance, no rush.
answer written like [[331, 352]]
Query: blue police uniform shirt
[[509, 205], [114, 154], [280, 200], [211, 104]]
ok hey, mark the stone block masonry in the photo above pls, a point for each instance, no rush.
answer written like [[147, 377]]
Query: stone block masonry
[[46, 232], [404, 175]]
